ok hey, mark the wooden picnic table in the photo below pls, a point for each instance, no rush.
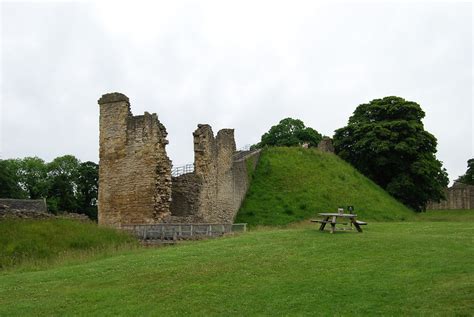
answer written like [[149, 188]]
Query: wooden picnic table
[[331, 218]]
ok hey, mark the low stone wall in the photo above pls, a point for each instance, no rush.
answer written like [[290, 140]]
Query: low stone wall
[[30, 205], [459, 196]]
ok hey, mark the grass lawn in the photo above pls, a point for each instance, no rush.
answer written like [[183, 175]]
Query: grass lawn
[[420, 267], [39, 243]]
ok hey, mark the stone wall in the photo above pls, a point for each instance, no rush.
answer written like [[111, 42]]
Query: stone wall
[[185, 191], [134, 169], [135, 183], [326, 145], [225, 210], [205, 169], [31, 205], [214, 192], [459, 196], [243, 168]]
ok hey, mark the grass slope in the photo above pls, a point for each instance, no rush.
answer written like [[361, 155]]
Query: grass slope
[[292, 184], [34, 241], [419, 268]]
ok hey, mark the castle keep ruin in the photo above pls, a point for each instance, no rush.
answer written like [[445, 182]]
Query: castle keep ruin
[[135, 182]]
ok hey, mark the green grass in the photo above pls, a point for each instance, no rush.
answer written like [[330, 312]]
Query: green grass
[[464, 215], [38, 242], [292, 184], [395, 268]]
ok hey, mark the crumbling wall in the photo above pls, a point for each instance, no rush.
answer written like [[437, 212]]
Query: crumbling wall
[[134, 169], [326, 145], [459, 196], [185, 191], [205, 169], [225, 210], [135, 183], [214, 192], [243, 168]]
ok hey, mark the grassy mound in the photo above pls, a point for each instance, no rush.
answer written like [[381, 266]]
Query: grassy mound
[[417, 268], [38, 240], [292, 184]]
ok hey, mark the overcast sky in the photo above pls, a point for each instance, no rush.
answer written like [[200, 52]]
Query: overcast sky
[[232, 64]]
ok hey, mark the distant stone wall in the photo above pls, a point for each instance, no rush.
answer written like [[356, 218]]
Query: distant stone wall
[[134, 169], [24, 208], [135, 183], [459, 196], [32, 205], [326, 145]]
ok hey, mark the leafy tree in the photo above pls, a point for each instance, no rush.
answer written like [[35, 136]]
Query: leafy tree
[[9, 180], [63, 172], [66, 183], [32, 174], [468, 178], [290, 132], [87, 188], [386, 140]]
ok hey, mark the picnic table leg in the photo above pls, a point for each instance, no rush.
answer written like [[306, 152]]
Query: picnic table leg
[[333, 224], [321, 228], [356, 225]]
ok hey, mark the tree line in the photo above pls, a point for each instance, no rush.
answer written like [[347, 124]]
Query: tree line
[[386, 141], [66, 183]]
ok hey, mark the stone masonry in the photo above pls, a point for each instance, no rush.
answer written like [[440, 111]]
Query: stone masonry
[[326, 145], [134, 169], [135, 183], [459, 196]]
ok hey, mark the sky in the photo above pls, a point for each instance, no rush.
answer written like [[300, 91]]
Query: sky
[[232, 64]]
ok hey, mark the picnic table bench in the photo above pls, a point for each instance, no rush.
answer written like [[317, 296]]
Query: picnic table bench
[[331, 218]]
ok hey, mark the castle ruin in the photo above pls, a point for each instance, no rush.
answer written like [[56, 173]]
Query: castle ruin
[[135, 182], [458, 196]]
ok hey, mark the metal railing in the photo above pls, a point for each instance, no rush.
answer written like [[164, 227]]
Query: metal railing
[[182, 231], [180, 170], [246, 147]]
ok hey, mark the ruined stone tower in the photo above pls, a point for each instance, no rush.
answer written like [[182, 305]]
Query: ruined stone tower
[[135, 183], [134, 170]]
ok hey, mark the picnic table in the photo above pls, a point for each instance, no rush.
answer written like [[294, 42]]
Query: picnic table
[[331, 218]]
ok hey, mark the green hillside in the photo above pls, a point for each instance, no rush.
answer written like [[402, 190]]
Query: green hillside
[[293, 184], [39, 241]]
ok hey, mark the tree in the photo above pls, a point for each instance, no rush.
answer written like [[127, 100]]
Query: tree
[[290, 132], [386, 140], [468, 178], [63, 172], [87, 187], [9, 180], [32, 174]]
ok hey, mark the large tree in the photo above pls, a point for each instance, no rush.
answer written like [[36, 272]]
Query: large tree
[[468, 178], [63, 173], [290, 132], [9, 180], [87, 186], [385, 139], [32, 174]]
